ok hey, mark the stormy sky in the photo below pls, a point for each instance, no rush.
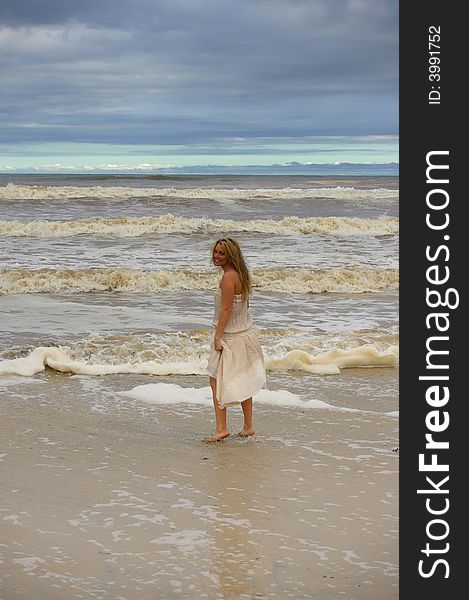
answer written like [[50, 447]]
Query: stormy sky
[[196, 78]]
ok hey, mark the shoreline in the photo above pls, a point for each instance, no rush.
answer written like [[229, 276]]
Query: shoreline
[[105, 496]]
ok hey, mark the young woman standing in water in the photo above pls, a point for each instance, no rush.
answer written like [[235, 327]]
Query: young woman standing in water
[[236, 365]]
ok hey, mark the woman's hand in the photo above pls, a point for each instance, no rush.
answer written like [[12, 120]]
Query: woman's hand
[[217, 344]]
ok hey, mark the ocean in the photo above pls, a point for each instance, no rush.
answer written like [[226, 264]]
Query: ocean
[[113, 275], [106, 301]]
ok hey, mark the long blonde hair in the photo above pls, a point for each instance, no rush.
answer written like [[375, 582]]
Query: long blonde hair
[[236, 260]]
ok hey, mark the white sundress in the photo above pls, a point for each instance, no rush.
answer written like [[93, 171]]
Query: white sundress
[[239, 367]]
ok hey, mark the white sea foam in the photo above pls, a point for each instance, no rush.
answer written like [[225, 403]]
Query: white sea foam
[[132, 227], [187, 354], [187, 541], [170, 393], [60, 361], [13, 191], [288, 280], [14, 381], [29, 563], [331, 362]]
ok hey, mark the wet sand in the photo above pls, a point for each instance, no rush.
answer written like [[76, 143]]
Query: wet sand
[[104, 496]]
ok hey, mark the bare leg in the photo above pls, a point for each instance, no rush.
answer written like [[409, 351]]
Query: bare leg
[[220, 417], [247, 412]]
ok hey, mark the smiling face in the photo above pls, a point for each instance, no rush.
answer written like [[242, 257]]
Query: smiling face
[[219, 257]]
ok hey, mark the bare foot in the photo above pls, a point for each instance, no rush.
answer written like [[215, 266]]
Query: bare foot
[[246, 432], [216, 437]]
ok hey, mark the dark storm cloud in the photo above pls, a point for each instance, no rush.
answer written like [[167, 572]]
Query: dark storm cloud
[[182, 71]]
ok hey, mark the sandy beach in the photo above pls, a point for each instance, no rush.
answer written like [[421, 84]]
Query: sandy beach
[[107, 496]]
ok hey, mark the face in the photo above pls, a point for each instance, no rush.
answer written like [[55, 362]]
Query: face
[[219, 256]]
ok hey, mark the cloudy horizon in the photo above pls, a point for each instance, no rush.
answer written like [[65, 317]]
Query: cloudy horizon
[[151, 85]]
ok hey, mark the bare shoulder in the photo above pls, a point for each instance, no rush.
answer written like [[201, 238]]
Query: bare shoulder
[[228, 279], [231, 280], [230, 275]]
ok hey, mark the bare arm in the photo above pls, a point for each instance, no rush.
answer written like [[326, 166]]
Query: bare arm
[[227, 286]]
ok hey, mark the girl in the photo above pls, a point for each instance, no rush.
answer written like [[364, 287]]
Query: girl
[[236, 365]]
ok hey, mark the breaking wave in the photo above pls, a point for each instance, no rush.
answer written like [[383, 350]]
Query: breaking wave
[[132, 227], [287, 280], [186, 353], [13, 191]]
